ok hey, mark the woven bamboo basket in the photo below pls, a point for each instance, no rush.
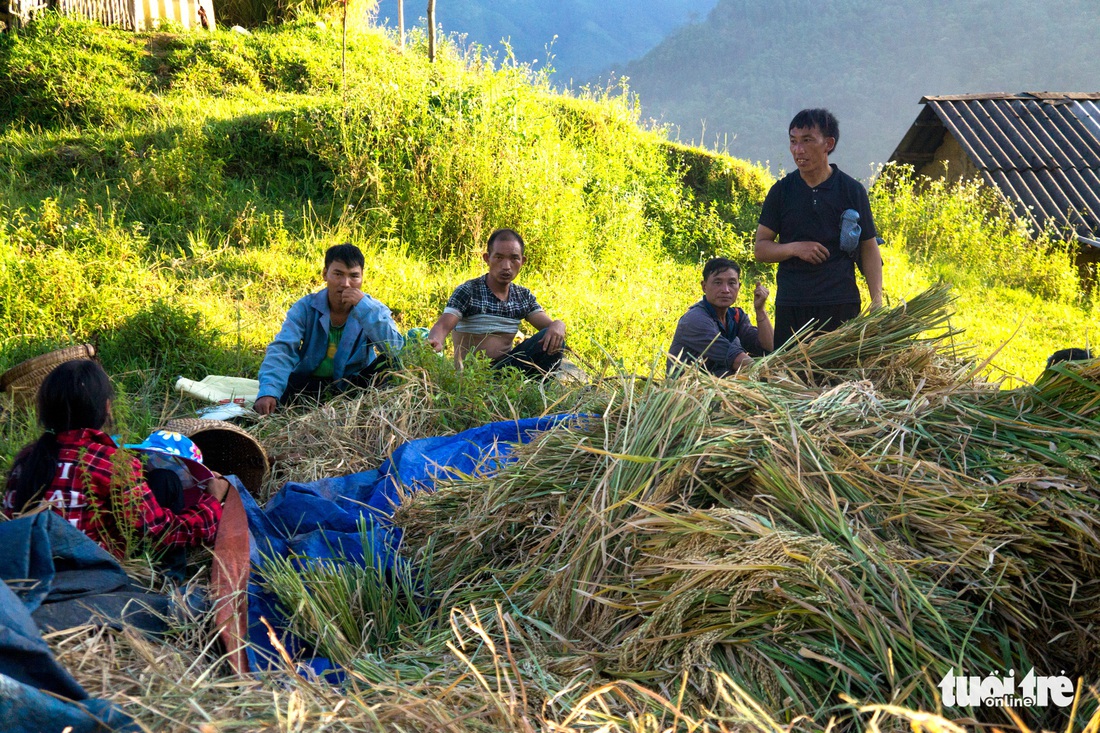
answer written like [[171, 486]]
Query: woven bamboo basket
[[225, 448], [23, 380]]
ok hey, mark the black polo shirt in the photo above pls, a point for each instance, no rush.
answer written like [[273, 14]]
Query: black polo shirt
[[800, 213]]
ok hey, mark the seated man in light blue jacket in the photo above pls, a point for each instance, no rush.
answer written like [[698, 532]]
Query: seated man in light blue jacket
[[334, 338]]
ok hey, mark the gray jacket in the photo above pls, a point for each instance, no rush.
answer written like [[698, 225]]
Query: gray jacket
[[700, 337]]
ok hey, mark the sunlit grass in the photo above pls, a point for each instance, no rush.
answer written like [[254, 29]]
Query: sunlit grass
[[209, 207]]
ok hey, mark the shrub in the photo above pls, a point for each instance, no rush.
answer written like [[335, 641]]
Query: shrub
[[214, 64], [254, 13], [60, 71], [968, 232], [166, 336], [171, 185], [69, 271], [272, 152]]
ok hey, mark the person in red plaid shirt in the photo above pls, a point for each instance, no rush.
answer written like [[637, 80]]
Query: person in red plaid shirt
[[77, 471]]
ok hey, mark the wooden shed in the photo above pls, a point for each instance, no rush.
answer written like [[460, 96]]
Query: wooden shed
[[1040, 149]]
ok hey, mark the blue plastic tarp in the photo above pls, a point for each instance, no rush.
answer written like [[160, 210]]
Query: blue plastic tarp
[[322, 519]]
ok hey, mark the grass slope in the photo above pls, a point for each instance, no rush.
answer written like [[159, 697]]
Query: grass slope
[[200, 177], [169, 195]]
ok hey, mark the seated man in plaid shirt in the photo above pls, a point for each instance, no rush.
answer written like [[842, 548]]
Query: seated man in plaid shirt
[[485, 312]]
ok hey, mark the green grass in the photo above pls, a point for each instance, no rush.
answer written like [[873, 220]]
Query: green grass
[[1016, 289], [375, 606], [217, 195], [168, 196]]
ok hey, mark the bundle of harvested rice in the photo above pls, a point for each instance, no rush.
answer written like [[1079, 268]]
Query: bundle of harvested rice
[[358, 430], [866, 520]]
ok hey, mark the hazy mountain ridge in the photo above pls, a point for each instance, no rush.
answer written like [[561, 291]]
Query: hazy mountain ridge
[[591, 34], [747, 88]]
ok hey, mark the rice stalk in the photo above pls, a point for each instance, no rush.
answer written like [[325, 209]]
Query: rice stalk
[[345, 610]]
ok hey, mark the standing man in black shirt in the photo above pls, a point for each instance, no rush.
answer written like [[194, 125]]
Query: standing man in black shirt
[[807, 211]]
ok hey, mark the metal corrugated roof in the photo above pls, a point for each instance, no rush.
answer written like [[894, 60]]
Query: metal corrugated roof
[[1041, 149]]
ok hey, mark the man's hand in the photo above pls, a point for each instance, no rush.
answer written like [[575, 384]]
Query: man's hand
[[218, 487], [351, 297], [876, 303], [741, 361], [760, 297], [554, 338], [265, 405], [813, 252], [437, 336]]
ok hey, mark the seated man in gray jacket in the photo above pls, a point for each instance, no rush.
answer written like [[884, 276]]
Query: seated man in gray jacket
[[334, 338], [716, 333]]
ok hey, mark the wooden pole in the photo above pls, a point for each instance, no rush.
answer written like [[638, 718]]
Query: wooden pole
[[401, 21], [431, 30]]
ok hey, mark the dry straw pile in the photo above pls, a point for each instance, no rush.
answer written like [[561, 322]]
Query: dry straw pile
[[854, 519], [815, 543]]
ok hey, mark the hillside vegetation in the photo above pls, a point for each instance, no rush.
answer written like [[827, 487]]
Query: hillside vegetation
[[199, 178], [170, 195]]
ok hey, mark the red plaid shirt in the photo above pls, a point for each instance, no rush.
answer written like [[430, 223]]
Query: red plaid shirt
[[96, 483]]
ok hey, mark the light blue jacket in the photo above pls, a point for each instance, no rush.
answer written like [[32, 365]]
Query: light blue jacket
[[303, 341]]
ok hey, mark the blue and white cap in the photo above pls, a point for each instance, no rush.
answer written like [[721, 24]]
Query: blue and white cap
[[174, 445]]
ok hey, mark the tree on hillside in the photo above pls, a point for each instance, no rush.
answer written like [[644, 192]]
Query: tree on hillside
[[753, 63]]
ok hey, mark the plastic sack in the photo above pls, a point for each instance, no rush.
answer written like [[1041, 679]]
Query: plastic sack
[[849, 232], [221, 390]]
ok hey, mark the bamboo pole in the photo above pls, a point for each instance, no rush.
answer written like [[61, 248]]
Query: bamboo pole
[[344, 57], [431, 30]]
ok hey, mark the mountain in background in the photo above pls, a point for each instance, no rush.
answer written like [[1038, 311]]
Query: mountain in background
[[592, 35], [752, 64]]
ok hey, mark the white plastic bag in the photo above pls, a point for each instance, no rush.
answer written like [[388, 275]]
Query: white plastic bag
[[221, 390]]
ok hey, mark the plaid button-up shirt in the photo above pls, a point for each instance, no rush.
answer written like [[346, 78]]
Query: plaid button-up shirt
[[481, 311], [100, 490]]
